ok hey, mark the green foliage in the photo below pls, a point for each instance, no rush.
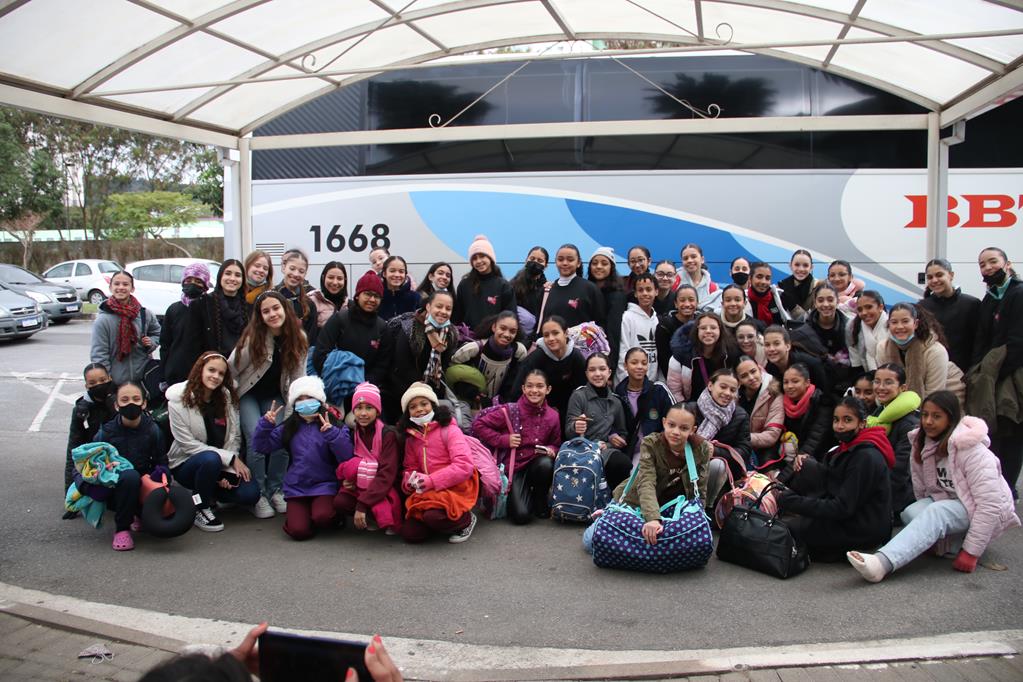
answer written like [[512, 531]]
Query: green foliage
[[137, 214], [209, 184]]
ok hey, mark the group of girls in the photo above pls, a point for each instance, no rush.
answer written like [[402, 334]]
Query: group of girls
[[764, 371]]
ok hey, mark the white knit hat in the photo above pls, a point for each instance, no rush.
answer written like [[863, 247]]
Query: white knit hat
[[418, 390], [310, 386], [605, 251]]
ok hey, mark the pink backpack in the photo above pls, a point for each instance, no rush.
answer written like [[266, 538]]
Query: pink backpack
[[486, 465]]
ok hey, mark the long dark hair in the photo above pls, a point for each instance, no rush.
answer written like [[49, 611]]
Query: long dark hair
[[927, 324], [610, 283], [193, 395], [522, 284], [292, 340], [947, 402], [724, 348], [485, 329], [858, 323], [341, 296], [426, 288]]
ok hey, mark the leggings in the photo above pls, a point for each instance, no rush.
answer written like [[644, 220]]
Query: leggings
[[617, 467], [433, 522], [530, 489], [306, 514]]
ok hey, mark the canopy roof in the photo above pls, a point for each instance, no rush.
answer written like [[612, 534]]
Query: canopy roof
[[213, 70]]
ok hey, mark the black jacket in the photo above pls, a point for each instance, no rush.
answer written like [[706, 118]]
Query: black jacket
[[361, 333], [180, 341], [1001, 323], [86, 418], [667, 325], [565, 376], [735, 433], [813, 429], [855, 510], [144, 446], [958, 315], [395, 303], [471, 308], [902, 482], [614, 306], [654, 402], [409, 365], [579, 301], [304, 308], [819, 376]]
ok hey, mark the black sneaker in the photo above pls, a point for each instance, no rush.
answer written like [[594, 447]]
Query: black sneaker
[[206, 520], [463, 535]]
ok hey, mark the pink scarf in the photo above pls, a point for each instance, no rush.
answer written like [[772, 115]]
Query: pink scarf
[[368, 456]]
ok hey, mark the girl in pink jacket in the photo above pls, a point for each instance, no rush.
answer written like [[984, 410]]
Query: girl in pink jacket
[[961, 495], [438, 475]]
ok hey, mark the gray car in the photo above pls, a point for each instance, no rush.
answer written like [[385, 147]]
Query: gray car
[[59, 301], [20, 316]]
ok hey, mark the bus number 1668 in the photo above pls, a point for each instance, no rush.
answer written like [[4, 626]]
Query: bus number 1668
[[357, 241]]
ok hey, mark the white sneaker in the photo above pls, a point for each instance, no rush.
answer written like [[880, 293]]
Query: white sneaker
[[262, 509], [463, 535], [278, 502], [206, 520]]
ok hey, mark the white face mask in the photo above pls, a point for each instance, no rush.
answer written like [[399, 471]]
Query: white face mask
[[423, 420]]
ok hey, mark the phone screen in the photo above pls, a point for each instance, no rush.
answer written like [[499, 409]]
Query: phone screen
[[284, 657]]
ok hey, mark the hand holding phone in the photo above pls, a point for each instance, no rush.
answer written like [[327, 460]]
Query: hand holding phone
[[284, 656]]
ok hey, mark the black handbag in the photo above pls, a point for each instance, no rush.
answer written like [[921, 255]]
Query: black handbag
[[761, 541], [152, 375]]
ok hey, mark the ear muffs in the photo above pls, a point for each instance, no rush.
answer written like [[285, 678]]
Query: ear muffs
[[167, 512]]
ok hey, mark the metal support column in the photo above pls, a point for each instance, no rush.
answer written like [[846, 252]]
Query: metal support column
[[245, 194], [937, 191], [232, 227]]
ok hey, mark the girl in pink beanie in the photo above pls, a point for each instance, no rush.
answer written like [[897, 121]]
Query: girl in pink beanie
[[483, 292]]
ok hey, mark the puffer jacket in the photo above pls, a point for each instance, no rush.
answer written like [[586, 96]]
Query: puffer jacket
[[767, 415], [927, 366], [188, 428], [977, 476], [143, 445], [655, 399], [324, 308], [314, 454], [441, 452]]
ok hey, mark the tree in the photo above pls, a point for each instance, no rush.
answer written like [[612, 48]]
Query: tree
[[142, 214], [209, 185]]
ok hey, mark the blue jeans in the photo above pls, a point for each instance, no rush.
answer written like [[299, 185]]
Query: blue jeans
[[200, 474], [588, 538], [926, 522], [267, 469]]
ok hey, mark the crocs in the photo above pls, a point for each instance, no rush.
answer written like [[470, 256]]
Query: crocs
[[123, 541], [136, 525]]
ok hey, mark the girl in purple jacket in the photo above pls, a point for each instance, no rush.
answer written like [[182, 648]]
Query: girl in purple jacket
[[530, 430], [316, 447], [962, 499]]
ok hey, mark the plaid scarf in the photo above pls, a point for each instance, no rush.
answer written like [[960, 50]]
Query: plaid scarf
[[439, 337], [127, 336]]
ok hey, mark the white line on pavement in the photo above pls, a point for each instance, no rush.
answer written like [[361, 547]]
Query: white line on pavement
[[45, 409]]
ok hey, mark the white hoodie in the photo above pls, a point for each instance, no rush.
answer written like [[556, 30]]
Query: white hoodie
[[638, 329]]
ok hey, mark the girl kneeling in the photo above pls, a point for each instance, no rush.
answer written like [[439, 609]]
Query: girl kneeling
[[315, 447], [439, 475], [962, 495]]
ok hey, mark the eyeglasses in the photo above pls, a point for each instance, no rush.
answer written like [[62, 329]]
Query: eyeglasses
[[664, 275], [638, 261]]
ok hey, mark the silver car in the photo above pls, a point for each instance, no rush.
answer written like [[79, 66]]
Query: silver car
[[59, 301], [20, 316]]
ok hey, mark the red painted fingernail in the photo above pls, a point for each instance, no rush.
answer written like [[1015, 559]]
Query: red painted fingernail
[[350, 675], [372, 649], [376, 638]]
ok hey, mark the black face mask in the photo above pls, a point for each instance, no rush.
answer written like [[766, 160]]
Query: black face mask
[[193, 290], [130, 411], [995, 279], [740, 278], [100, 392], [846, 436], [533, 269]]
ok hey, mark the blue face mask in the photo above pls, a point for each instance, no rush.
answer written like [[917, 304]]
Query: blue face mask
[[904, 342], [434, 323], [307, 408]]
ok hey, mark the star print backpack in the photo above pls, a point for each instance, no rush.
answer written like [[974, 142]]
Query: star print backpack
[[578, 488]]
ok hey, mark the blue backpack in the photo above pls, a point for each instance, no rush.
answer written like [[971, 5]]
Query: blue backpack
[[578, 488]]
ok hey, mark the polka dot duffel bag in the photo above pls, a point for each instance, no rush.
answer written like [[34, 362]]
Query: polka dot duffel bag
[[684, 543]]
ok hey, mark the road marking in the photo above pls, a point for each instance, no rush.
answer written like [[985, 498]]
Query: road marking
[[45, 409], [23, 377]]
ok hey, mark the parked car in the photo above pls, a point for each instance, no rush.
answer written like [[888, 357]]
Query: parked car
[[89, 277], [59, 301], [20, 316], [158, 282]]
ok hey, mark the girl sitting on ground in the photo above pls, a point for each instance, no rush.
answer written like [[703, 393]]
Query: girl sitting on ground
[[760, 396], [645, 401], [595, 413], [721, 420], [559, 359], [898, 413], [92, 410]]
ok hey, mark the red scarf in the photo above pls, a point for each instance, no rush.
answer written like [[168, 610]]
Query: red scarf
[[761, 305], [876, 436], [127, 336], [797, 410]]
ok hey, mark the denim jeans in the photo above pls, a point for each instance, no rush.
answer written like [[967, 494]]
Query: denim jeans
[[268, 469], [588, 538], [926, 522], [200, 473]]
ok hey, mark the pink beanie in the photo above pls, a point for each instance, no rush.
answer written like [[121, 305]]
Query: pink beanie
[[482, 245], [367, 393]]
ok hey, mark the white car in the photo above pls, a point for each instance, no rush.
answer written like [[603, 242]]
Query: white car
[[158, 282], [89, 277]]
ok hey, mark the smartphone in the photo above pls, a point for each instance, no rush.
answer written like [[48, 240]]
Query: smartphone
[[284, 657]]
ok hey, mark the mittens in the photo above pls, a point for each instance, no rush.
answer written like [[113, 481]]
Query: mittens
[[965, 562]]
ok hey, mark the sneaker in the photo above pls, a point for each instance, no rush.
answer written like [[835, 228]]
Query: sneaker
[[278, 502], [262, 509], [463, 535], [206, 520]]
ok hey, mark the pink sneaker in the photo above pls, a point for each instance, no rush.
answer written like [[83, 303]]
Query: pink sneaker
[[123, 541], [136, 525]]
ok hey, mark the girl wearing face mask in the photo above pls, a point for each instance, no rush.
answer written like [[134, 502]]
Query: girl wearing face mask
[[685, 311], [181, 338], [399, 297], [697, 351], [424, 344], [204, 454], [720, 419], [92, 410], [332, 295], [259, 275], [137, 438], [559, 359], [295, 289], [438, 278], [760, 396], [270, 355], [694, 272], [528, 285], [646, 401], [438, 474], [1001, 325], [315, 447], [915, 341], [667, 280], [739, 270], [496, 352], [572, 297], [124, 334], [963, 503], [797, 288], [224, 312], [865, 331], [897, 412], [596, 413], [601, 271], [958, 313], [483, 291], [850, 508]]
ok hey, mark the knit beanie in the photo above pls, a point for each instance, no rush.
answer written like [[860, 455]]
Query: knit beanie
[[310, 386], [197, 270], [482, 245], [370, 282], [418, 390], [605, 251], [367, 393]]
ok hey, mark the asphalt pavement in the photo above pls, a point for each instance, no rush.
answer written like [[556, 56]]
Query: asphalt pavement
[[526, 586]]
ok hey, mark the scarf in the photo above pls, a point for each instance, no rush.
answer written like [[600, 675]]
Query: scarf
[[255, 290], [439, 338], [998, 292], [800, 290], [903, 404], [872, 435], [796, 410], [232, 311], [370, 456], [715, 417], [496, 352], [761, 304], [127, 335]]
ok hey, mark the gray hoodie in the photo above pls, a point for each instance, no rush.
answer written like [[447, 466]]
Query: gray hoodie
[[104, 344]]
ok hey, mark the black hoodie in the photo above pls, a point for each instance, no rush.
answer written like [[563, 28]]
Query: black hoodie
[[958, 315]]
